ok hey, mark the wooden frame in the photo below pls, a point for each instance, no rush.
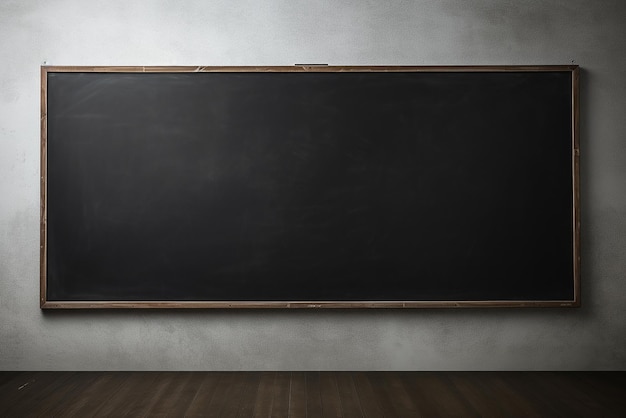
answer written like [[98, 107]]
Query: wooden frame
[[46, 304]]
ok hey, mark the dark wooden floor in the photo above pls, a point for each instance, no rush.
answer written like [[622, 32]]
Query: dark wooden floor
[[313, 394]]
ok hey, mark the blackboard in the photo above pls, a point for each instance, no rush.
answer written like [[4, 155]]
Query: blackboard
[[306, 186]]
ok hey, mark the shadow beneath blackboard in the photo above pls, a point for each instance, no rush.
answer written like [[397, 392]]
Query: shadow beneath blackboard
[[316, 314]]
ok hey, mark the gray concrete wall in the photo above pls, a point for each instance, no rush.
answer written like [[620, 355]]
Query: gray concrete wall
[[273, 32]]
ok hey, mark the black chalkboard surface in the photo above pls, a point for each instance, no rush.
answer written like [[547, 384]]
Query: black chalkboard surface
[[309, 187]]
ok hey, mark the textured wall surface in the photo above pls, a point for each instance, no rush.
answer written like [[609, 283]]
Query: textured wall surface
[[274, 32]]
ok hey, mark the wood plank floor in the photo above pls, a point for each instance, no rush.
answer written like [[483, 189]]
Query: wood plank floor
[[313, 394]]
